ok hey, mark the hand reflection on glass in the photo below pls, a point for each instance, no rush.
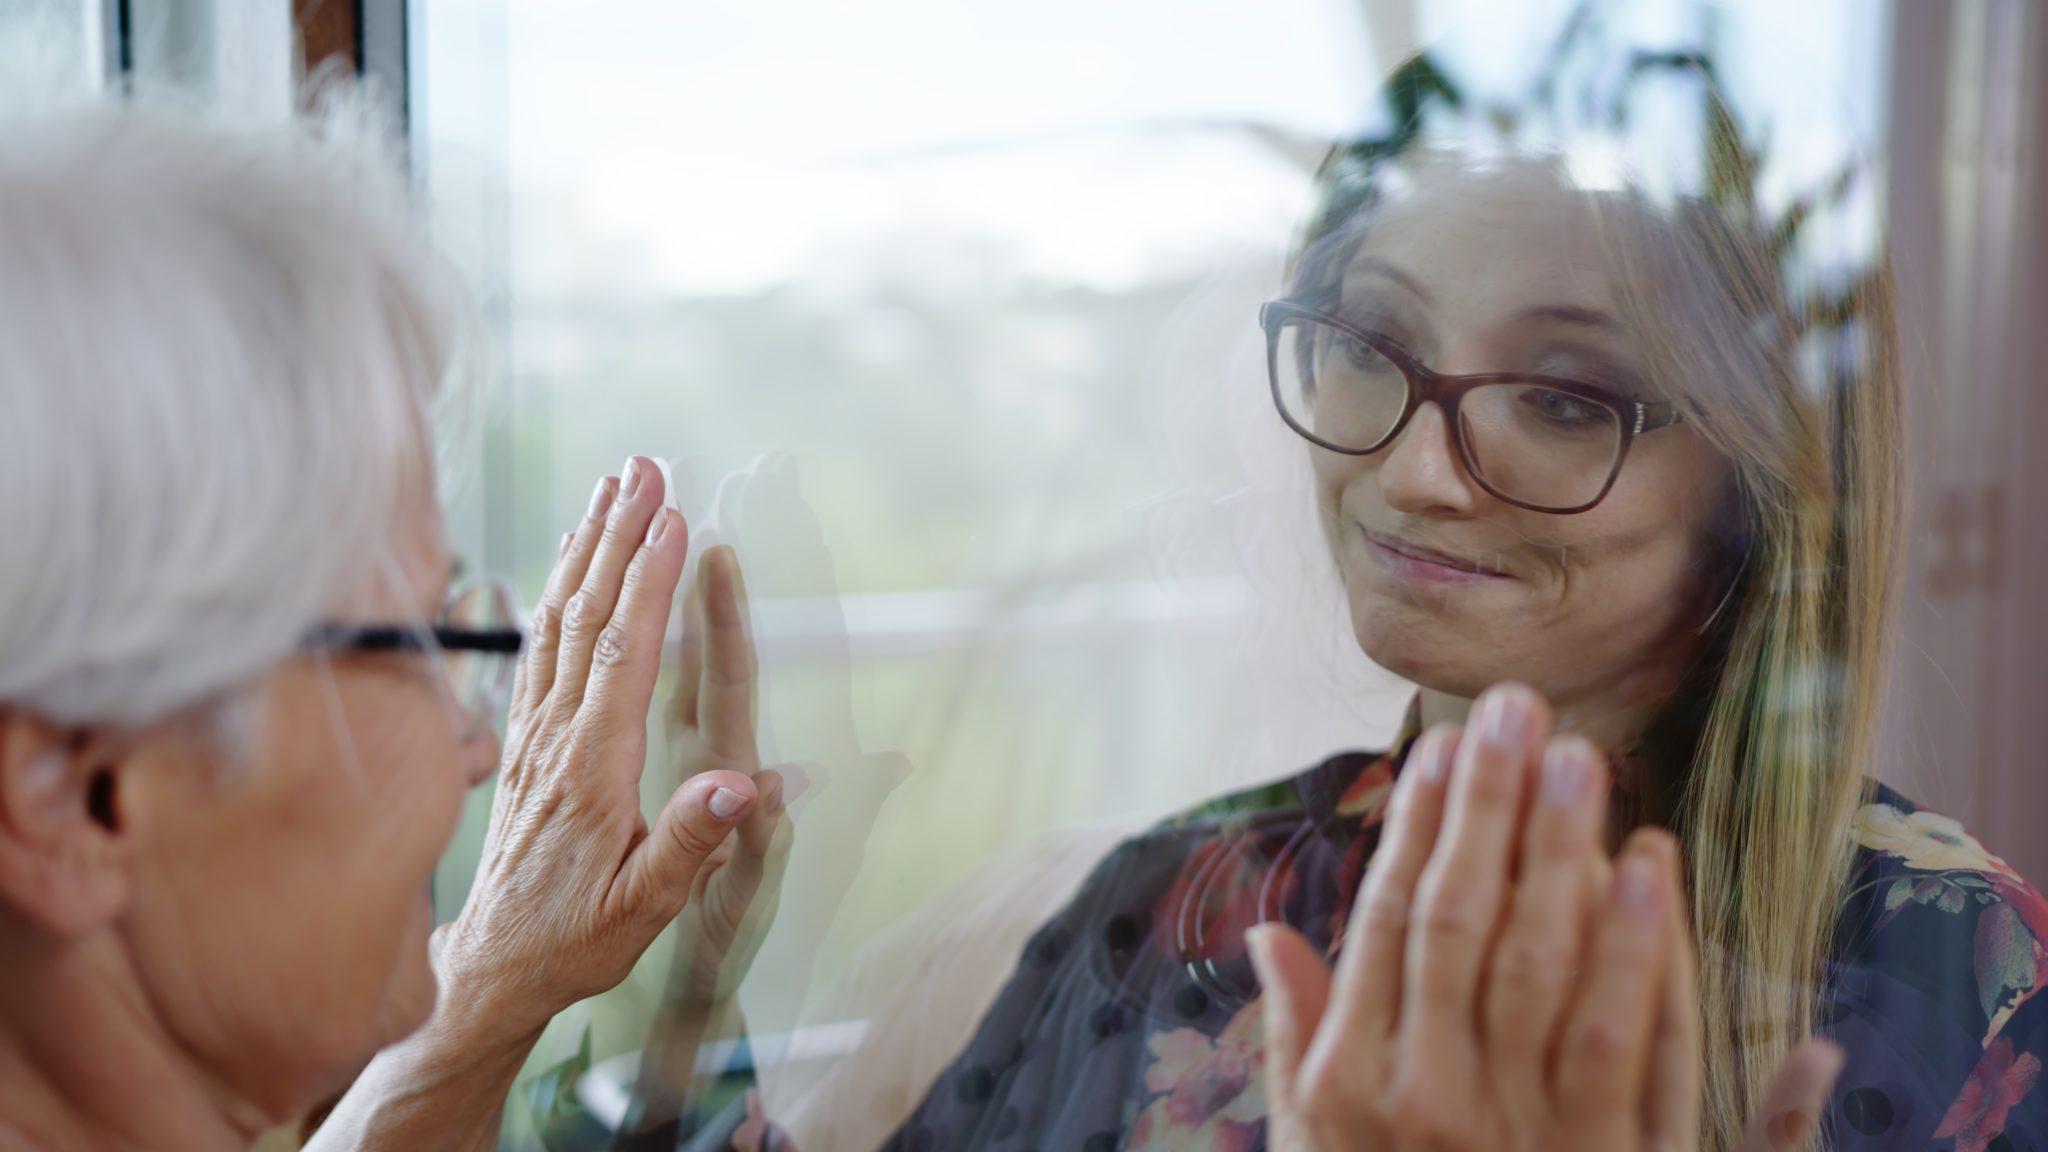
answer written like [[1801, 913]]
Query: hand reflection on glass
[[763, 912]]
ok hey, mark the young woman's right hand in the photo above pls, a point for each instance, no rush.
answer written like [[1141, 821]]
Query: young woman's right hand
[[1501, 984]]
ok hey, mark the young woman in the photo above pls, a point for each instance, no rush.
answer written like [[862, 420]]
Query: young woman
[[1592, 443]]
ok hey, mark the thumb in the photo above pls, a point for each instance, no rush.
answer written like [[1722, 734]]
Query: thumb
[[1791, 1113], [1295, 985], [695, 821]]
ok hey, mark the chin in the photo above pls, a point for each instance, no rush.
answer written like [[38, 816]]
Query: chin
[[1413, 643], [410, 996]]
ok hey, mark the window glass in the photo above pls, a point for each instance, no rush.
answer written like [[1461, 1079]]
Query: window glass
[[948, 318], [49, 50]]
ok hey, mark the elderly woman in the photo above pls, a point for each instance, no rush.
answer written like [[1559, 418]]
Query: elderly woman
[[1637, 454], [242, 695]]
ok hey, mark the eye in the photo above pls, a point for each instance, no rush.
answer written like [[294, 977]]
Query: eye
[[1563, 408], [1363, 356]]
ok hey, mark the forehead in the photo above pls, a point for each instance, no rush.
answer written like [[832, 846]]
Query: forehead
[[415, 581], [1488, 243]]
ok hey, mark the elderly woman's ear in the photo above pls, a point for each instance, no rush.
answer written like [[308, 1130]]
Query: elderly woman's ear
[[64, 857]]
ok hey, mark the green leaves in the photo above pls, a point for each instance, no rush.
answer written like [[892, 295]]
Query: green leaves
[[2006, 961], [559, 1117], [1948, 893]]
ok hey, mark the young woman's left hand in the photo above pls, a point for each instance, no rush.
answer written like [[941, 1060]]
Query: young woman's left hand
[[1502, 985]]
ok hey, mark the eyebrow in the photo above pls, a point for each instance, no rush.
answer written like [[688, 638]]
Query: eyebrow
[[1388, 271], [1571, 314]]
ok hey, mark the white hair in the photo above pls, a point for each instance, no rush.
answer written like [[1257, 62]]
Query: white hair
[[219, 353]]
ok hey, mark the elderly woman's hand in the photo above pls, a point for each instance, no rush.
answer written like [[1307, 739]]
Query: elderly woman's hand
[[1501, 985], [574, 884]]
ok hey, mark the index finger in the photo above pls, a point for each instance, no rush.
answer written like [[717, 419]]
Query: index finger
[[537, 666], [1672, 1111], [626, 658], [1369, 973], [1463, 894], [1603, 1053], [689, 657]]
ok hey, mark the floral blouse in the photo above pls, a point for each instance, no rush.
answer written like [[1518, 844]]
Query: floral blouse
[[1131, 1020]]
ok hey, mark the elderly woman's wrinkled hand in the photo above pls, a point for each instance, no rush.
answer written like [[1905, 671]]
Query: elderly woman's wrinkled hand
[[574, 884], [1502, 984]]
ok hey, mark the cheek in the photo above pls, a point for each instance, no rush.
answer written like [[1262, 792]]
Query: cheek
[[1597, 598], [1341, 483], [1622, 603], [414, 769], [410, 797], [285, 922]]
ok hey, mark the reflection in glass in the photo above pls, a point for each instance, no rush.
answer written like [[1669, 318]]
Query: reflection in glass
[[1082, 577]]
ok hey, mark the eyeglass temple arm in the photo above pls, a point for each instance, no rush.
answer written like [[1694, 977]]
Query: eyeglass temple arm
[[390, 639], [1654, 414]]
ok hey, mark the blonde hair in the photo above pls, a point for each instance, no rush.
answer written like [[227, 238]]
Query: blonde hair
[[1776, 774], [1764, 748]]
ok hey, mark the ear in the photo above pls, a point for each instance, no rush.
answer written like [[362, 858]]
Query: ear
[[64, 854]]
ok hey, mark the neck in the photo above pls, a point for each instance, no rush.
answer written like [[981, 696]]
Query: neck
[[85, 1063], [1617, 728]]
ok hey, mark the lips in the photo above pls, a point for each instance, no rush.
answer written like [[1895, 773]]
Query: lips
[[1418, 564]]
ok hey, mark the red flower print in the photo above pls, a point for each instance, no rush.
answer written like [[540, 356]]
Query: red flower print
[[1995, 1085], [1207, 1094]]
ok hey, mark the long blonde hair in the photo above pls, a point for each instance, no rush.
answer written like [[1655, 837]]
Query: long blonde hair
[[1764, 750], [1803, 400]]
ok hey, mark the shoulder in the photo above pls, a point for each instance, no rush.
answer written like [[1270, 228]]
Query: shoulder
[[1918, 868], [1941, 951]]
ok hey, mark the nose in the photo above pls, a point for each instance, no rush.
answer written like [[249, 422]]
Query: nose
[[1420, 472], [480, 755]]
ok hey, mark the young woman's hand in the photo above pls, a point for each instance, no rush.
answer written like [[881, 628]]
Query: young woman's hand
[[732, 903], [1502, 985], [790, 873], [574, 884]]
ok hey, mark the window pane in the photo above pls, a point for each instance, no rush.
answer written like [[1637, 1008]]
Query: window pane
[[50, 50], [946, 318]]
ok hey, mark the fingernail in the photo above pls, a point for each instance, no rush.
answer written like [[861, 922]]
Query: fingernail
[[601, 500], [632, 475], [726, 804], [1791, 1130], [1258, 945], [1508, 718], [1638, 884], [1567, 774], [1435, 759], [660, 528], [567, 539]]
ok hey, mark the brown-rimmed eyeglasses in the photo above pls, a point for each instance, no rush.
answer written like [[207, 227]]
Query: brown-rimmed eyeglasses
[[1543, 443]]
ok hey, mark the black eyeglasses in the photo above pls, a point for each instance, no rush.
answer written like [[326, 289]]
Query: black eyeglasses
[[1537, 442], [476, 639]]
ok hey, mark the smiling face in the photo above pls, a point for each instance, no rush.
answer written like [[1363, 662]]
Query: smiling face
[[1454, 589], [283, 933]]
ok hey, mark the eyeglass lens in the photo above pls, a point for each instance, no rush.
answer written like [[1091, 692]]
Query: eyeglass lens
[[479, 680], [1537, 445]]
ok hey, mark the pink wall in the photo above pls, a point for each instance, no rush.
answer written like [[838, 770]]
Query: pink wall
[[1968, 724]]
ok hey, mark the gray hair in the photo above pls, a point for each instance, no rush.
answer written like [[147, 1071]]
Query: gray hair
[[219, 356]]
